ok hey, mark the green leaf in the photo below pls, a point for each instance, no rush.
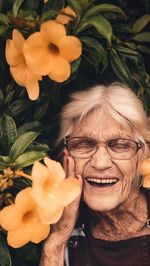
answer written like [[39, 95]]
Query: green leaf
[[84, 2], [101, 55], [21, 144], [36, 146], [143, 49], [53, 5], [4, 253], [141, 23], [142, 37], [31, 5], [50, 14], [28, 14], [75, 65], [17, 107], [74, 70], [4, 19], [3, 29], [3, 164], [76, 6], [42, 109], [28, 158], [1, 98], [17, 6], [8, 98], [30, 126], [127, 51], [5, 159], [8, 132], [9, 88], [121, 70], [103, 8], [103, 27]]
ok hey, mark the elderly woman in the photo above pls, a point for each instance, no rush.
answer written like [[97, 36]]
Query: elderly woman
[[106, 135]]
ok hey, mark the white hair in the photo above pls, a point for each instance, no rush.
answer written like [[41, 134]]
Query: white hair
[[121, 102]]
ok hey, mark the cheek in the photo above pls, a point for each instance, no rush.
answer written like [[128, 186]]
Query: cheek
[[80, 165], [129, 171]]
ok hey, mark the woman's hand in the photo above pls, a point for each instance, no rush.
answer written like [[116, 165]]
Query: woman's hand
[[67, 222], [54, 246]]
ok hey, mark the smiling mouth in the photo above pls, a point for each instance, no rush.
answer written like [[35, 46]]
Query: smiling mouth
[[102, 182]]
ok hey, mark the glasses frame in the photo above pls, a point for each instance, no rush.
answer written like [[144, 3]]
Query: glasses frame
[[139, 145]]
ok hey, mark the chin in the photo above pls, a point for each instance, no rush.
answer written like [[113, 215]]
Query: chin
[[102, 205]]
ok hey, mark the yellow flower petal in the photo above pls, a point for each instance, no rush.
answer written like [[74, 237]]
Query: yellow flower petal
[[19, 74], [70, 48], [22, 220], [39, 232], [49, 217], [18, 40], [61, 70], [40, 174], [13, 56], [9, 214], [46, 198], [56, 172], [64, 19], [24, 201], [19, 237], [37, 55], [69, 11], [54, 192], [146, 182], [67, 191], [52, 32], [32, 85], [145, 167]]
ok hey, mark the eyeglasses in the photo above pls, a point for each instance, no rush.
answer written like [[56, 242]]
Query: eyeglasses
[[121, 149]]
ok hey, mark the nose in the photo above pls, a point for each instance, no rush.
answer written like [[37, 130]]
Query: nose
[[101, 159]]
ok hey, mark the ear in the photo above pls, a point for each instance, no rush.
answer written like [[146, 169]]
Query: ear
[[65, 159], [65, 152], [144, 153]]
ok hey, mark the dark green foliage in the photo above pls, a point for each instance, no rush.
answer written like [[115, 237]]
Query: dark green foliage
[[115, 39]]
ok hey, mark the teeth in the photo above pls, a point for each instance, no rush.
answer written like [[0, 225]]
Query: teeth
[[103, 181]]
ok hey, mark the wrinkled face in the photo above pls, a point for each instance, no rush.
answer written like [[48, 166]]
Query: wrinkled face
[[101, 168]]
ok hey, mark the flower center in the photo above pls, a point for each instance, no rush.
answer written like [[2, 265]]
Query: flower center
[[53, 49], [48, 185], [28, 216]]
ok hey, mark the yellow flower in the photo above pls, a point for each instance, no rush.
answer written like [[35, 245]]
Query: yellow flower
[[21, 73], [22, 222], [50, 51], [68, 15], [145, 171], [51, 190]]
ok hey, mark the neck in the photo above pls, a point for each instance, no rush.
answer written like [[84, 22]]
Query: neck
[[125, 221]]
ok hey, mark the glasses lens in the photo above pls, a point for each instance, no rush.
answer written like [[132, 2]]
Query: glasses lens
[[122, 148], [81, 147]]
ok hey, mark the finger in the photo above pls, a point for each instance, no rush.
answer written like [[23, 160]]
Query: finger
[[71, 211]]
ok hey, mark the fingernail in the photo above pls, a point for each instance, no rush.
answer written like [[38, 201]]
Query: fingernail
[[78, 176], [68, 159]]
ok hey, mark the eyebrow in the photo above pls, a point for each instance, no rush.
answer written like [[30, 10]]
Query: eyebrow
[[108, 137], [118, 136]]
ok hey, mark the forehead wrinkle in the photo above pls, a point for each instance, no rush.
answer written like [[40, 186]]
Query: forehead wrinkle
[[100, 125], [120, 132]]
